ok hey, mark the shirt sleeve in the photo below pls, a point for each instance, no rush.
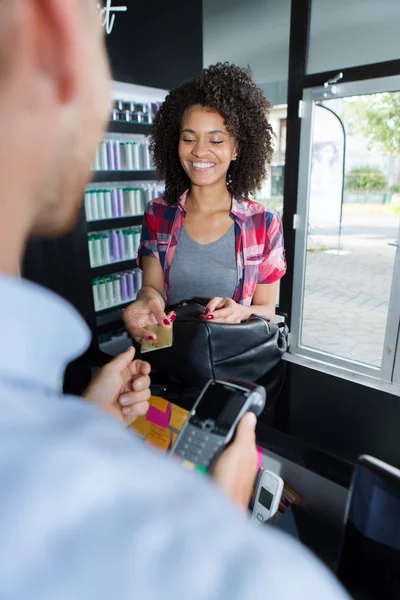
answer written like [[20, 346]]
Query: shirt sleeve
[[148, 241], [273, 264]]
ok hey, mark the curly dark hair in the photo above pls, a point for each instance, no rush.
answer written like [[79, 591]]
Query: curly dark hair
[[230, 91]]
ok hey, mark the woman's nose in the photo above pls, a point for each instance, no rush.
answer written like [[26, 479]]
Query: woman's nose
[[200, 148]]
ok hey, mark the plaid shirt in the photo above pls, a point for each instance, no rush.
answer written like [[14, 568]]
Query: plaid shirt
[[260, 255]]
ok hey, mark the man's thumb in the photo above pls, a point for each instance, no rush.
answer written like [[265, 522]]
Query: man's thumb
[[245, 431], [120, 362]]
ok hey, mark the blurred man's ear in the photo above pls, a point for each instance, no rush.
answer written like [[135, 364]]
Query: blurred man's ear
[[58, 32]]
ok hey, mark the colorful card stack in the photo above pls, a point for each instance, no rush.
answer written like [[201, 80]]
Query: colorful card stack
[[117, 289], [115, 245], [118, 155]]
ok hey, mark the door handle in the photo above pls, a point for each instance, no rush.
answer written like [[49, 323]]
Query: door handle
[[395, 244]]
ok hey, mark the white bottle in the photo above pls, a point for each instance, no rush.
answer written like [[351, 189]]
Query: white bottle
[[100, 200], [117, 289], [103, 293], [131, 203], [91, 252], [110, 291], [96, 296], [95, 206], [136, 157], [98, 253], [88, 207], [128, 156], [105, 249], [103, 156], [131, 245], [108, 204]]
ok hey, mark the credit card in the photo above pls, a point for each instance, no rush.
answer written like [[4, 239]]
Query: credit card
[[164, 339]]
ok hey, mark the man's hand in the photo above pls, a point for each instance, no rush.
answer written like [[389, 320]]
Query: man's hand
[[236, 469], [122, 387]]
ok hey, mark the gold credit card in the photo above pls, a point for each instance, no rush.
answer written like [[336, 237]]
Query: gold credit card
[[164, 339]]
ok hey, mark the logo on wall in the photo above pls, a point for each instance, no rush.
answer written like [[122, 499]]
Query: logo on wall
[[108, 13]]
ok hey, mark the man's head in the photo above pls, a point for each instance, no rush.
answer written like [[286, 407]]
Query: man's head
[[54, 103]]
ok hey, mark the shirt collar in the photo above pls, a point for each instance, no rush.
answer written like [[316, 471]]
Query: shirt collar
[[238, 206], [40, 333]]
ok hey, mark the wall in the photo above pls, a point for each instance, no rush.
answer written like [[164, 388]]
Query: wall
[[338, 416], [158, 44]]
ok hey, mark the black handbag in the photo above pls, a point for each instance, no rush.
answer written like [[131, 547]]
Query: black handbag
[[203, 350]]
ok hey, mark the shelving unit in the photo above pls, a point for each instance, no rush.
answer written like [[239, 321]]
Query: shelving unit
[[121, 265], [117, 176], [115, 223], [109, 320]]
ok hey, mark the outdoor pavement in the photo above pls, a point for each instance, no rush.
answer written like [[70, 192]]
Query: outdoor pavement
[[347, 296]]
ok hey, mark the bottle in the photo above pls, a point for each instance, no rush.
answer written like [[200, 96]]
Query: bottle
[[114, 200], [131, 202], [110, 291], [105, 245], [88, 207], [95, 205], [91, 251], [138, 201], [96, 295], [102, 293], [110, 156], [103, 157], [124, 288], [121, 210], [121, 245], [136, 156], [117, 289], [108, 204], [130, 243], [98, 254], [117, 156], [114, 246], [130, 285], [100, 202], [128, 156]]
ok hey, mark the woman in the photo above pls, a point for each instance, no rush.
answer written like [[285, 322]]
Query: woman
[[211, 141]]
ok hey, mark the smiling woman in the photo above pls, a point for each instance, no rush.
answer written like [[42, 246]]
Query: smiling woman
[[211, 141]]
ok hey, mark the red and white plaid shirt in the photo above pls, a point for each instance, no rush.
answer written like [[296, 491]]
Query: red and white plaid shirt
[[260, 255]]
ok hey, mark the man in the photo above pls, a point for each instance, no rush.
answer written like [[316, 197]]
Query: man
[[86, 511]]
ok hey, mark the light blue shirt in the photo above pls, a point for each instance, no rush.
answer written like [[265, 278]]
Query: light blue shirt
[[87, 512]]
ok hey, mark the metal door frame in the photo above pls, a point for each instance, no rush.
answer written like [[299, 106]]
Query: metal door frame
[[390, 367]]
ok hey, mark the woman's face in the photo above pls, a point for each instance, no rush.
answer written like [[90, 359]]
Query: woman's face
[[206, 148]]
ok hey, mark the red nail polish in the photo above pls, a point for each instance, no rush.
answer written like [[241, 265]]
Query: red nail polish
[[166, 322], [148, 338], [173, 317], [207, 311], [210, 317]]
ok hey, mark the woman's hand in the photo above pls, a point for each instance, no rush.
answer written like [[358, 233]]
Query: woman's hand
[[224, 310], [147, 310], [122, 387]]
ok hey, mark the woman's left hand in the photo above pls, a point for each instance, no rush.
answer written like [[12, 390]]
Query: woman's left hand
[[224, 310]]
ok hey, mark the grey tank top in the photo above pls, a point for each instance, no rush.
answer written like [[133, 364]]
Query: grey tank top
[[203, 271]]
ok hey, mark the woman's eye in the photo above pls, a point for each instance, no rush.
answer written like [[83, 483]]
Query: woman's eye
[[214, 142], [187, 140]]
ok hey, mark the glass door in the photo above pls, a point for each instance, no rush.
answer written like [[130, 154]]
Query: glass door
[[346, 289]]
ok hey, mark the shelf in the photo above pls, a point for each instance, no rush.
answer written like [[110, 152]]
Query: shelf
[[110, 327], [113, 308], [128, 127], [114, 267], [116, 176], [115, 223]]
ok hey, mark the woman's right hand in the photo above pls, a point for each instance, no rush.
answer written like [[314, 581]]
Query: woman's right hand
[[148, 310]]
